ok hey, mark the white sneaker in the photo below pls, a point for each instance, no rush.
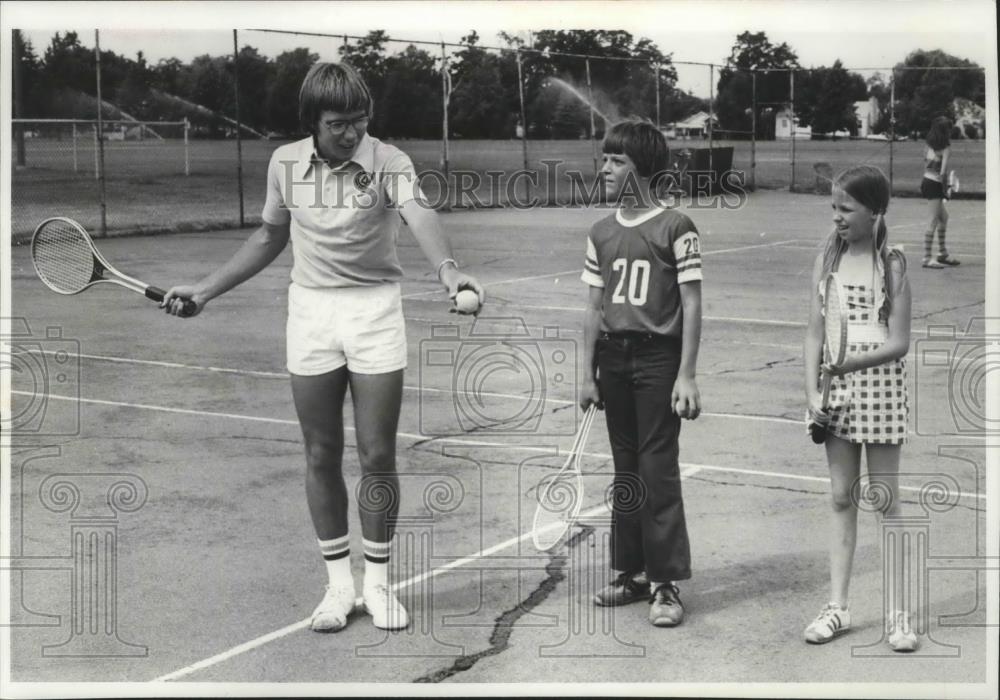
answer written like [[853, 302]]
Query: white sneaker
[[831, 622], [386, 611], [901, 636], [331, 614]]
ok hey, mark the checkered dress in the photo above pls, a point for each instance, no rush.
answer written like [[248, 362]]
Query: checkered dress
[[869, 405]]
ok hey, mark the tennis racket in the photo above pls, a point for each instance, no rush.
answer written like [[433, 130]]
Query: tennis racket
[[68, 262], [953, 184], [834, 342], [560, 495]]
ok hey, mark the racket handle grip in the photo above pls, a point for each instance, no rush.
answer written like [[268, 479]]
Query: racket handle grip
[[157, 294], [818, 433]]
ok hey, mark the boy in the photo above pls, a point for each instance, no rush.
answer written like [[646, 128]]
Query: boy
[[338, 196], [641, 334]]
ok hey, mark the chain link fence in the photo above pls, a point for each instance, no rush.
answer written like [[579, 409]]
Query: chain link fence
[[495, 127]]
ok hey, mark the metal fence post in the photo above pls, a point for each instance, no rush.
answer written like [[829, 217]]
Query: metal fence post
[[100, 137], [590, 107], [187, 154], [524, 124], [791, 117], [892, 122], [657, 78], [239, 139], [445, 99], [76, 166], [711, 118], [753, 129]]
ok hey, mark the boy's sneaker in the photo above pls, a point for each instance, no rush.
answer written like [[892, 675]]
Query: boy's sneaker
[[331, 614], [386, 610], [931, 262], [901, 637], [831, 622], [626, 588], [665, 609], [948, 260]]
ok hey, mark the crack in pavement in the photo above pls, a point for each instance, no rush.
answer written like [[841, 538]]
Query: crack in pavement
[[505, 622], [950, 308], [770, 365], [788, 489], [501, 427]]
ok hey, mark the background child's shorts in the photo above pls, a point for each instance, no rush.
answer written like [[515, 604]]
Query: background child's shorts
[[361, 327]]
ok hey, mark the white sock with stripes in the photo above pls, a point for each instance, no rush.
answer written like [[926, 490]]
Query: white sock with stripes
[[376, 564], [337, 556]]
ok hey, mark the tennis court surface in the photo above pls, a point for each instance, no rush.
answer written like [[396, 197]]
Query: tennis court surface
[[160, 530]]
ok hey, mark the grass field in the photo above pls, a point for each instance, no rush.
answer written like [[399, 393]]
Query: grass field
[[147, 189]]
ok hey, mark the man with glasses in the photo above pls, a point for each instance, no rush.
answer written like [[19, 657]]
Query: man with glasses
[[339, 196]]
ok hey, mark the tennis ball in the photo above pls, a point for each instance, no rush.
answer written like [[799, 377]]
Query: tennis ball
[[467, 302]]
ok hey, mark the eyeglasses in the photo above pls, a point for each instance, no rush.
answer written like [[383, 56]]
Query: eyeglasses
[[338, 127]]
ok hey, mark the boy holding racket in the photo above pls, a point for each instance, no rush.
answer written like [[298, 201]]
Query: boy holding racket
[[642, 330], [338, 196], [867, 402]]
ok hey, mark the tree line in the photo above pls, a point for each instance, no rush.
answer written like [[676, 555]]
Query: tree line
[[483, 95], [482, 86], [927, 83]]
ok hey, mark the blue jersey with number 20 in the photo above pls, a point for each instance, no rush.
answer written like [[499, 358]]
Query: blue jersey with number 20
[[640, 265]]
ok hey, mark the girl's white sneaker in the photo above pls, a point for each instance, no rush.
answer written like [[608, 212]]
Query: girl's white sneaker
[[901, 636], [831, 622]]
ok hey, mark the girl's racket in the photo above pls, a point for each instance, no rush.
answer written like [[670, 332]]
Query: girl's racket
[[68, 262], [953, 184], [560, 496], [834, 342]]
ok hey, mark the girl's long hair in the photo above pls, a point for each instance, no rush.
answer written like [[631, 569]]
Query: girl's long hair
[[939, 135], [870, 187]]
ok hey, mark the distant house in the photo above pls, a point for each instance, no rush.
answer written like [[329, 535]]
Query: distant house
[[783, 119], [695, 126], [969, 114], [868, 114]]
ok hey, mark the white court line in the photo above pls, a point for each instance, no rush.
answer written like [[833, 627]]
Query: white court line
[[705, 253], [957, 253], [419, 437], [276, 375], [687, 470], [455, 564], [578, 270], [574, 271], [725, 319], [411, 436]]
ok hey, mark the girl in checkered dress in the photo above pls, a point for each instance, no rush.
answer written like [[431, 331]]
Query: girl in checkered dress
[[868, 401]]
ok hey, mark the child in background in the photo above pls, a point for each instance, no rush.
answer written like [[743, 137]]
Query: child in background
[[933, 188], [868, 401], [641, 335]]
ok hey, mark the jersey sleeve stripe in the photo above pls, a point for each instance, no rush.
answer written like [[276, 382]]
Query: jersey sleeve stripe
[[592, 279], [591, 269]]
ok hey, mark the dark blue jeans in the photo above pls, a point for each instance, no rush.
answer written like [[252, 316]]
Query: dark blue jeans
[[636, 373]]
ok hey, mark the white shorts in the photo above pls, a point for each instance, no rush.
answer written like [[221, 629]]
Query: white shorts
[[361, 327]]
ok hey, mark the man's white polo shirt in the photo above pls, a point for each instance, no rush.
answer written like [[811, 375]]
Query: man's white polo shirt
[[344, 220]]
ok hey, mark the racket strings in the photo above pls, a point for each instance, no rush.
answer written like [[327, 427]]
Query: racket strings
[[834, 319], [561, 494], [63, 257]]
